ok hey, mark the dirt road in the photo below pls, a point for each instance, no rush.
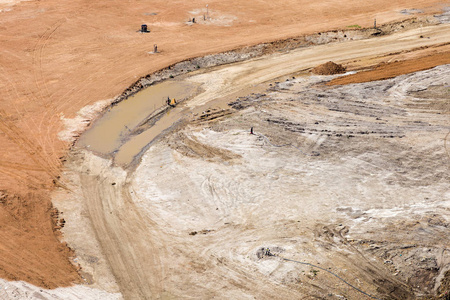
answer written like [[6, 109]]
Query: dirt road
[[191, 219], [229, 80], [131, 250]]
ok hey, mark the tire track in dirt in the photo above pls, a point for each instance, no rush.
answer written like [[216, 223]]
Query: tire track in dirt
[[21, 178], [47, 140], [6, 76], [52, 113], [17, 172], [21, 140], [39, 146], [131, 251]]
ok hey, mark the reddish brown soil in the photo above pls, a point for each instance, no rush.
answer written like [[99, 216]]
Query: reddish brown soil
[[328, 68], [58, 56], [32, 252], [390, 70]]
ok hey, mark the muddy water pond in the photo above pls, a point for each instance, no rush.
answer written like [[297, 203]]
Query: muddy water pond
[[118, 125]]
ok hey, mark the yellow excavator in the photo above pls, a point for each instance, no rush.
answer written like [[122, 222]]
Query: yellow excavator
[[171, 102]]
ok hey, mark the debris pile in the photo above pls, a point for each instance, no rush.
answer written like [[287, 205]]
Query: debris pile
[[329, 68]]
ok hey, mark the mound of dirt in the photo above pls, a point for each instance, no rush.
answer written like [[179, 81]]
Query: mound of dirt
[[328, 68]]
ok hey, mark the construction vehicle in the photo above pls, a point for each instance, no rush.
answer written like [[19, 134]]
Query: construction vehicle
[[171, 102]]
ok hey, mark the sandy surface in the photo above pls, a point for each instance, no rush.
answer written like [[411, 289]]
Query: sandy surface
[[24, 290], [216, 180], [228, 80], [390, 70], [371, 207], [58, 57]]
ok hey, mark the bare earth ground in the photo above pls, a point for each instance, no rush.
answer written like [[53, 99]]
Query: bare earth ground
[[372, 207], [238, 194], [58, 57], [390, 70]]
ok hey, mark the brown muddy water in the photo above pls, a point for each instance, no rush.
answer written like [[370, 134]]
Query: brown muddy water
[[136, 143], [114, 130]]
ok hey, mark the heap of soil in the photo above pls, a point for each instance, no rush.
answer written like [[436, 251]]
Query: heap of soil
[[328, 68]]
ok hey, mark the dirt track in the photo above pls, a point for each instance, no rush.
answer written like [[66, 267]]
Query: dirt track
[[58, 57], [229, 80]]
